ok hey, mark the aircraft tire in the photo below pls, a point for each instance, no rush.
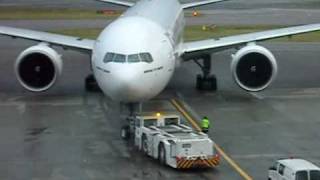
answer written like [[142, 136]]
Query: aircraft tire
[[199, 82], [91, 84]]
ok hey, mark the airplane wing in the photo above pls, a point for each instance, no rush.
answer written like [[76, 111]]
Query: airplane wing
[[200, 3], [194, 48], [118, 2], [53, 39]]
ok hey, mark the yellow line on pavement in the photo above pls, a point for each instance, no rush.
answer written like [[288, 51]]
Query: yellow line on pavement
[[185, 114], [196, 126]]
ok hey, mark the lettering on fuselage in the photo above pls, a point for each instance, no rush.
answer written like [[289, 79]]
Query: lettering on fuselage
[[103, 70], [153, 70]]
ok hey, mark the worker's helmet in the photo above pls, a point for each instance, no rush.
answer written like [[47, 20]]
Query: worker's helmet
[[205, 117]]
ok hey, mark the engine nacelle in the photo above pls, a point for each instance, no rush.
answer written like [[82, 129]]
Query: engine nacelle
[[254, 68], [38, 67]]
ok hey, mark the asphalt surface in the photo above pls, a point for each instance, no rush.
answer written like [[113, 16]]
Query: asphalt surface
[[67, 133], [219, 17], [256, 129], [234, 4], [283, 17]]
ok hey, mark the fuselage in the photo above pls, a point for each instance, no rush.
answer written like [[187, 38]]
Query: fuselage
[[135, 56]]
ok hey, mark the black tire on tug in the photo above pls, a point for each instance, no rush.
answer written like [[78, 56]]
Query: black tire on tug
[[162, 154], [144, 144], [125, 132]]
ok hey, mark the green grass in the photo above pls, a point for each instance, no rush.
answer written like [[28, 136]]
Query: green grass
[[191, 32], [13, 13], [197, 33], [91, 33]]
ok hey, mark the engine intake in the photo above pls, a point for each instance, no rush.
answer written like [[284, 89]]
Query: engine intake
[[254, 68], [38, 67]]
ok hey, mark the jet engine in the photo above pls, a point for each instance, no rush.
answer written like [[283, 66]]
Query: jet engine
[[253, 68], [38, 67]]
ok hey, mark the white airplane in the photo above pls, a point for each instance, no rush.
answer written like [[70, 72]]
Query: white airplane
[[135, 56]]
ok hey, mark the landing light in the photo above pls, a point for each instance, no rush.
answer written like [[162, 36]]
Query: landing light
[[158, 114]]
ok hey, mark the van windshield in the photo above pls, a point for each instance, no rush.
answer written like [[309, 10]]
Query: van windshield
[[302, 175], [314, 175]]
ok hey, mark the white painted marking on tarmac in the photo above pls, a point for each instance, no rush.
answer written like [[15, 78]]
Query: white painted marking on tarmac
[[42, 103], [254, 156], [21, 108], [14, 99], [294, 96], [293, 93], [258, 96], [81, 113]]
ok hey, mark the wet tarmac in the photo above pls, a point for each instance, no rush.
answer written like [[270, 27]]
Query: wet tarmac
[[233, 4], [67, 133], [256, 129]]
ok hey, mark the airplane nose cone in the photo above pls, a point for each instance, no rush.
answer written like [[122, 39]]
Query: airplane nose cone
[[125, 76], [129, 84]]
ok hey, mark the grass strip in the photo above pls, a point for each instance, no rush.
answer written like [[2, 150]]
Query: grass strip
[[14, 13], [199, 32]]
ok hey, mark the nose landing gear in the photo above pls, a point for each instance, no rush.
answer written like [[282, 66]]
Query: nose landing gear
[[91, 84], [128, 128], [205, 81]]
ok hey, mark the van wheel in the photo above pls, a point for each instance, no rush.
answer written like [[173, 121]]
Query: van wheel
[[144, 144], [162, 154]]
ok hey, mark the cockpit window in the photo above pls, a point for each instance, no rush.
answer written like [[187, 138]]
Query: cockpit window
[[119, 58], [108, 57], [133, 58], [146, 57]]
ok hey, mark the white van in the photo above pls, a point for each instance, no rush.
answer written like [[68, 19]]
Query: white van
[[294, 169]]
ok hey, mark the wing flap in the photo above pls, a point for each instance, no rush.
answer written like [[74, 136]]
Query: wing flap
[[211, 45], [54, 39]]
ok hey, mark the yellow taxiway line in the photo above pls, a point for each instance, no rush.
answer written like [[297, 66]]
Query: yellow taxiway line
[[196, 126]]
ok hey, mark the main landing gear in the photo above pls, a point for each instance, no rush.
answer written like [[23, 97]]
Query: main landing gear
[[205, 81], [133, 109]]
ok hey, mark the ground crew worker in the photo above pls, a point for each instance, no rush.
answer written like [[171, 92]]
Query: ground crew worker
[[205, 124]]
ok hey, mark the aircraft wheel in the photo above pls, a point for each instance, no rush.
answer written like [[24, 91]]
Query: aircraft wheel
[[91, 84], [206, 83], [212, 81], [199, 82]]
